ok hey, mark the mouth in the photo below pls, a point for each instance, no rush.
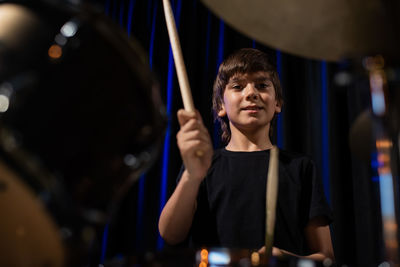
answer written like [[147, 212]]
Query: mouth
[[252, 108]]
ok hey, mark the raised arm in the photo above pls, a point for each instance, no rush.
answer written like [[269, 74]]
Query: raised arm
[[177, 215]]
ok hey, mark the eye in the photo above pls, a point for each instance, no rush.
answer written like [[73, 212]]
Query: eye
[[262, 86], [236, 86]]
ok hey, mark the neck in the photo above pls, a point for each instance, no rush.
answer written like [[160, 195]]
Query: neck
[[242, 140]]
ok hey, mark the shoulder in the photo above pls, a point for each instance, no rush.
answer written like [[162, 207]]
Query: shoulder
[[289, 157], [218, 154], [298, 167]]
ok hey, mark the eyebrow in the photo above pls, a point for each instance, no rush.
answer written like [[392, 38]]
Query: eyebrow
[[263, 79], [235, 79], [257, 79]]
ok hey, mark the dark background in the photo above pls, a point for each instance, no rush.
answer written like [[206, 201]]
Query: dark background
[[316, 119]]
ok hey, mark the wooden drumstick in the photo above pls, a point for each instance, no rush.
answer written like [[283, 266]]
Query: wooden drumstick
[[271, 199], [179, 63], [178, 58]]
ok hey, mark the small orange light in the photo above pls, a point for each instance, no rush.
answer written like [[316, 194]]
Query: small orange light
[[390, 226], [203, 264], [255, 259], [383, 158], [204, 254], [383, 143], [55, 51]]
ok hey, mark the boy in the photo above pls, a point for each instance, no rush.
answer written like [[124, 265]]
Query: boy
[[220, 197]]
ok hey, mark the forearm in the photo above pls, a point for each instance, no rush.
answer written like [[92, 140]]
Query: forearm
[[318, 257], [319, 242], [315, 256], [177, 215]]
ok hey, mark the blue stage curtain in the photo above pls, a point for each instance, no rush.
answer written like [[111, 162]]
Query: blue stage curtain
[[306, 124]]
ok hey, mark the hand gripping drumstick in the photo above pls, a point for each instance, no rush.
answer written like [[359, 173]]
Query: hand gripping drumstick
[[271, 198], [178, 59]]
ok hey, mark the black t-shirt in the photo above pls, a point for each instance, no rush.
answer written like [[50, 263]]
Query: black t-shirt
[[231, 201]]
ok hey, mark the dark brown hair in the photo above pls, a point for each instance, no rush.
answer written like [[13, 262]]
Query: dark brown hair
[[245, 60]]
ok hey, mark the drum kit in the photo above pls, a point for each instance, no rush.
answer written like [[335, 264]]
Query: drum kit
[[81, 116]]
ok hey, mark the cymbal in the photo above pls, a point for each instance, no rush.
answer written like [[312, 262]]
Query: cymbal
[[326, 30]]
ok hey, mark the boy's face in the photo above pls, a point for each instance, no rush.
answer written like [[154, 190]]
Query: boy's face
[[249, 101]]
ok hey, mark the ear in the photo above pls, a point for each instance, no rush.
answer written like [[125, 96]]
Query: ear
[[278, 107], [222, 111]]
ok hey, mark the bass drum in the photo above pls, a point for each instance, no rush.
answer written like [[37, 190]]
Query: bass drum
[[80, 119]]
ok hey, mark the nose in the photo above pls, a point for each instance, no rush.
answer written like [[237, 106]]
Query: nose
[[251, 92]]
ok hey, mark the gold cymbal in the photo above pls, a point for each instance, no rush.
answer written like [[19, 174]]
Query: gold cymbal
[[329, 29]]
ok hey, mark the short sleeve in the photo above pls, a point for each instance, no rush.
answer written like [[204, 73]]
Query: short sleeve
[[318, 203], [203, 230]]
